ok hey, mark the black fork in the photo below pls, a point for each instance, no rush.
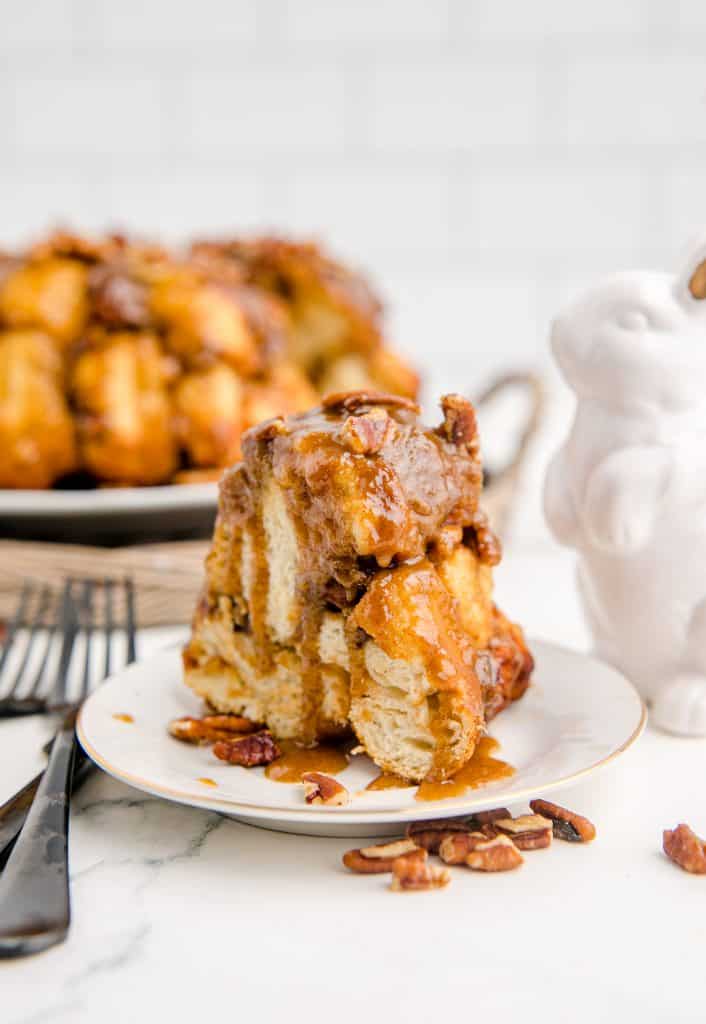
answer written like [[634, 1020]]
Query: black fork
[[41, 629], [35, 911]]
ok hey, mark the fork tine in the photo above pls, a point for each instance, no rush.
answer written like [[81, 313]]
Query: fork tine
[[67, 617], [130, 620], [38, 622], [16, 622], [48, 641], [109, 624], [87, 616]]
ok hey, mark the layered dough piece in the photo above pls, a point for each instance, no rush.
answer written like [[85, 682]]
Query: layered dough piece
[[349, 585]]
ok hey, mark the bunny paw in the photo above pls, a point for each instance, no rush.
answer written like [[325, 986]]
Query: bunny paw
[[681, 706]]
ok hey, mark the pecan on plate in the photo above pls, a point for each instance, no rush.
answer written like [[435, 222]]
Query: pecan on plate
[[565, 824], [248, 751], [377, 860], [454, 848], [498, 854], [528, 832], [210, 728], [431, 834], [684, 847], [323, 789], [417, 876]]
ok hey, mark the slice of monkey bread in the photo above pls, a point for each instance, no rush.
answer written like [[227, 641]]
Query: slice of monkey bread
[[349, 585]]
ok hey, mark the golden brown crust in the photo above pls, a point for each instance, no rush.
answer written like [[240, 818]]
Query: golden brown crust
[[119, 387], [37, 434], [238, 349]]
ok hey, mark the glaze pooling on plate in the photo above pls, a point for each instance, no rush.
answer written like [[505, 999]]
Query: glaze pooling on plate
[[559, 732]]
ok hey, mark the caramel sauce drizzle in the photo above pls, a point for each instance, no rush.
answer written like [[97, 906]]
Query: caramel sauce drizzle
[[478, 771], [388, 781], [312, 617], [122, 716], [296, 761], [207, 782]]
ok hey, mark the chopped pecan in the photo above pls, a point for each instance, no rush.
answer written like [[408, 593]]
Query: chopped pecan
[[323, 789], [454, 848], [528, 832], [377, 860], [565, 824], [459, 426], [487, 544], [481, 818], [684, 847], [430, 834], [210, 728], [417, 876], [498, 854], [248, 751], [368, 433]]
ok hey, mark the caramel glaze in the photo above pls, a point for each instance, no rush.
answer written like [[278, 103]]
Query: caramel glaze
[[207, 782], [387, 781], [409, 613], [296, 761], [481, 769], [367, 487], [122, 716]]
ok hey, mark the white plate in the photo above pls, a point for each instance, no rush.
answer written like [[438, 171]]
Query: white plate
[[577, 717], [124, 512]]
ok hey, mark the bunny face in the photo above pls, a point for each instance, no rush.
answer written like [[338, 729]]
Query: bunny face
[[635, 342]]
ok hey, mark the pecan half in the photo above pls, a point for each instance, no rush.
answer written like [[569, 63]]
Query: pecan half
[[210, 728], [488, 817], [377, 860], [684, 847], [455, 848], [431, 834], [248, 751], [498, 854], [565, 824], [323, 789], [528, 832], [352, 400], [417, 876], [368, 433]]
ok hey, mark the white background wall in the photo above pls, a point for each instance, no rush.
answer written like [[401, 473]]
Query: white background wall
[[483, 158]]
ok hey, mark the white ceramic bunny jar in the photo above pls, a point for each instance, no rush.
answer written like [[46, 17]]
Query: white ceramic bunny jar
[[627, 489]]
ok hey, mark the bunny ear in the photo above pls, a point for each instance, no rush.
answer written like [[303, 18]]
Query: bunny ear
[[690, 284]]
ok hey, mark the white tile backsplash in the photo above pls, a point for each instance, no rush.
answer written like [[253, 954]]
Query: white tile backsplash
[[547, 19], [369, 23], [638, 99], [454, 104], [265, 111]]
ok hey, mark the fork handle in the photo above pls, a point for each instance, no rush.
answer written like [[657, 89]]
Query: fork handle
[[34, 888], [13, 813]]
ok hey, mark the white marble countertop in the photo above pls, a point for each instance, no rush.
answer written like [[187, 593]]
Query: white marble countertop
[[180, 914]]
